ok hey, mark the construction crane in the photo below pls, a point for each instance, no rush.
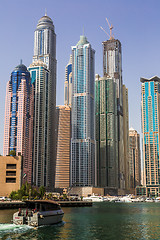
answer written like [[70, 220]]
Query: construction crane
[[105, 31], [111, 36]]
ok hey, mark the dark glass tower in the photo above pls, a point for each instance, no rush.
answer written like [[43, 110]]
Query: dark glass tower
[[17, 112], [106, 133], [112, 68]]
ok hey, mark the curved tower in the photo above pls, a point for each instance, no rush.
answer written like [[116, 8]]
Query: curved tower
[[17, 111], [45, 51]]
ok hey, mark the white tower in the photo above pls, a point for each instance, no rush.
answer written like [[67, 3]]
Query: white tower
[[45, 51]]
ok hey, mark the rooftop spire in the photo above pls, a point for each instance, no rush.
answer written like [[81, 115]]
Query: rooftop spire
[[45, 11], [21, 61]]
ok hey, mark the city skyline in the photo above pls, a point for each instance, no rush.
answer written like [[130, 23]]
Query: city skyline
[[135, 36]]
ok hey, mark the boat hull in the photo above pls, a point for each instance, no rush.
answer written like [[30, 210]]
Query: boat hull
[[39, 218]]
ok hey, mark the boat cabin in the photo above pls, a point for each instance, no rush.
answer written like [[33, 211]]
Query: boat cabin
[[42, 205]]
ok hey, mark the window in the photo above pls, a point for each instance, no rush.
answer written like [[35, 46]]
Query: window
[[10, 180], [10, 173], [11, 166]]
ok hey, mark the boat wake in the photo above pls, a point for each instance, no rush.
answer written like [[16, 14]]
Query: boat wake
[[12, 228]]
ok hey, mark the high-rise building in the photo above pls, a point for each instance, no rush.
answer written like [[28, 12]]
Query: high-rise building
[[83, 126], [112, 67], [62, 178], [134, 158], [68, 84], [17, 112], [150, 94], [45, 51], [106, 132], [39, 125], [126, 138]]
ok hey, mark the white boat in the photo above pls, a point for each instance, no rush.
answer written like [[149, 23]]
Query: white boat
[[105, 199], [149, 200], [119, 201], [39, 212], [157, 199], [93, 198]]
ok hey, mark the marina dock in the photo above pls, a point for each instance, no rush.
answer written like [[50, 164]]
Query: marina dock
[[20, 204]]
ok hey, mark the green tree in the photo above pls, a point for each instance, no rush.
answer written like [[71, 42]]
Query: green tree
[[12, 153], [12, 195], [42, 191]]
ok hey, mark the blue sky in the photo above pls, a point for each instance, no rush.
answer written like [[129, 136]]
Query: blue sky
[[136, 24]]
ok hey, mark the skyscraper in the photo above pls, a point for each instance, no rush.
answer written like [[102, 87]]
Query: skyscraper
[[134, 158], [62, 179], [126, 137], [68, 84], [17, 112], [106, 133], [45, 51], [150, 97], [39, 134], [112, 67], [83, 126]]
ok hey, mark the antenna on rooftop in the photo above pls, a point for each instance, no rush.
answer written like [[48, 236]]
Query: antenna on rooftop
[[45, 11], [21, 61]]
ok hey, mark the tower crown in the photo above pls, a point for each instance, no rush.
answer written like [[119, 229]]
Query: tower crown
[[44, 22], [20, 68], [82, 41]]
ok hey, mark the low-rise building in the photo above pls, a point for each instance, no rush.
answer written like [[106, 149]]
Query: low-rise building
[[10, 174]]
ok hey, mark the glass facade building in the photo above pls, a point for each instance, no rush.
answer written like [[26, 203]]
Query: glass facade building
[[83, 112], [39, 112], [150, 99], [112, 67], [126, 137], [45, 51], [17, 112], [68, 84], [106, 132]]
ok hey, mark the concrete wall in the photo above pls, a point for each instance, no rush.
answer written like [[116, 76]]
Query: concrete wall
[[85, 191]]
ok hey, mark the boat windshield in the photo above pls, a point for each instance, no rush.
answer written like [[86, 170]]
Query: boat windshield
[[42, 206]]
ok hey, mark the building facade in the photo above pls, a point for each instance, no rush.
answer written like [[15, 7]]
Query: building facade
[[45, 51], [106, 132], [83, 120], [68, 84], [17, 112], [112, 67], [150, 99], [126, 137], [134, 158], [39, 126], [62, 178], [10, 174]]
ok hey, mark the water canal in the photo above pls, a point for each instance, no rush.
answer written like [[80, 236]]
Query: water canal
[[104, 220]]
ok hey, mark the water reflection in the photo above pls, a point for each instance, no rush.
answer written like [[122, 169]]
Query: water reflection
[[102, 221]]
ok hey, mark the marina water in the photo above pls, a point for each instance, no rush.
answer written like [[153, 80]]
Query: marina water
[[101, 221]]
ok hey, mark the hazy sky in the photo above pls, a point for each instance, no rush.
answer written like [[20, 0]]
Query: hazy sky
[[136, 24]]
